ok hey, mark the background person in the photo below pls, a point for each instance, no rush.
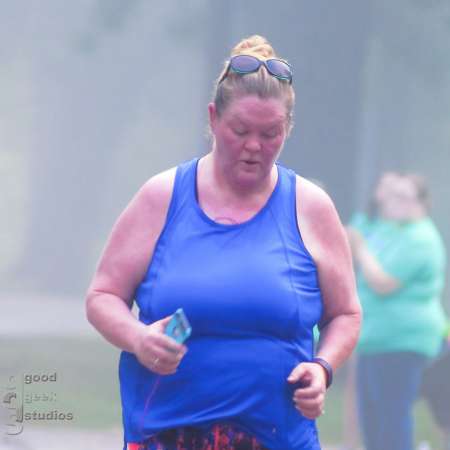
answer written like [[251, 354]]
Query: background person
[[400, 261], [378, 208]]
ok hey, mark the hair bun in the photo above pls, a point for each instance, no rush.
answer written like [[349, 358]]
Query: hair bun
[[255, 45]]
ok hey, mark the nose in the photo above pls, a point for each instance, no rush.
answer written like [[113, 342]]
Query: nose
[[252, 144]]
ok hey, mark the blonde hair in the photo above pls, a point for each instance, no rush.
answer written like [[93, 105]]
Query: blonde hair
[[259, 83]]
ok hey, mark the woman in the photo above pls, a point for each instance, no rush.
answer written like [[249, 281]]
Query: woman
[[378, 208], [255, 255], [400, 259]]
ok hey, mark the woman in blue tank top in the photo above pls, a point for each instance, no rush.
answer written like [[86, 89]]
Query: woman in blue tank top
[[256, 256]]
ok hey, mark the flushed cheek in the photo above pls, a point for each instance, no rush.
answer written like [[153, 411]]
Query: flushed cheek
[[231, 142], [273, 149]]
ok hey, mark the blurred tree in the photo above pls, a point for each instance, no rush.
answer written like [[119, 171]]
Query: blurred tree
[[81, 98], [103, 96]]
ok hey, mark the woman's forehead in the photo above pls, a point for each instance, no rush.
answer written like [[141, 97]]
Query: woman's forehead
[[251, 109]]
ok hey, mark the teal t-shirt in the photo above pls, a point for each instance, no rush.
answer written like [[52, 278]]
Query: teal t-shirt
[[411, 318]]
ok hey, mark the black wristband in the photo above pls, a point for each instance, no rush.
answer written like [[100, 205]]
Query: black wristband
[[328, 369]]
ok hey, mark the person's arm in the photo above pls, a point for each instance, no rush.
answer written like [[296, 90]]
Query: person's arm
[[325, 239], [122, 267], [377, 278]]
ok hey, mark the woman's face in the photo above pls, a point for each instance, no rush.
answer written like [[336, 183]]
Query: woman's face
[[384, 187], [401, 201], [249, 136]]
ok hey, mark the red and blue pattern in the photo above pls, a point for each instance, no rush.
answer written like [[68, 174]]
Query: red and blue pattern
[[219, 437]]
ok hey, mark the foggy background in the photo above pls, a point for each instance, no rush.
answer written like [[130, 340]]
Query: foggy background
[[96, 96]]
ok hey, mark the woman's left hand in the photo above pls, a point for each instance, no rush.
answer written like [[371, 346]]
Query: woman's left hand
[[310, 399]]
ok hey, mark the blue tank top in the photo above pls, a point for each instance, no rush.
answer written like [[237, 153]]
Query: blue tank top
[[251, 294]]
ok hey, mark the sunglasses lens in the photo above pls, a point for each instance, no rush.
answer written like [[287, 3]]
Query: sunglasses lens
[[244, 64], [279, 69]]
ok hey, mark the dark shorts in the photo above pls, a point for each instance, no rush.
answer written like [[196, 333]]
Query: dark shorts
[[219, 437]]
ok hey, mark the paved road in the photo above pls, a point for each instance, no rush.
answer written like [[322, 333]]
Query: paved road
[[68, 439]]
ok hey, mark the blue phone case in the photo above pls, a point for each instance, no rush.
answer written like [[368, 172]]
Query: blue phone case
[[179, 327]]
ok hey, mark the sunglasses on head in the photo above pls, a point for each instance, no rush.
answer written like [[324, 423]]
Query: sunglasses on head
[[244, 64]]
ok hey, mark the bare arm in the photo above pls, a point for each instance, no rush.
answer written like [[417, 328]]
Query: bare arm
[[123, 265], [377, 278], [325, 238]]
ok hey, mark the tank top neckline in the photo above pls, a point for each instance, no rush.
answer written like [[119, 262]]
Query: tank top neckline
[[225, 226]]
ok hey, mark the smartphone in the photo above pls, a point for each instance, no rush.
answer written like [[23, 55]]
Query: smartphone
[[179, 327]]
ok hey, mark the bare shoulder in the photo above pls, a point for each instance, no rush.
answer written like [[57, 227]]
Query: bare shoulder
[[324, 236], [146, 212], [312, 197], [145, 215], [157, 192], [317, 217], [132, 240]]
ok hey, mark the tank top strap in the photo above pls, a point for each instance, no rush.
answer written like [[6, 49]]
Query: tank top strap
[[284, 203], [184, 188], [284, 207]]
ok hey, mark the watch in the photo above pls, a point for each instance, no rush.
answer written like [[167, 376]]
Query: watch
[[327, 367]]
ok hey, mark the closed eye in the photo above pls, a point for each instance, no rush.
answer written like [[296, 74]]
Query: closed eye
[[240, 132], [270, 135]]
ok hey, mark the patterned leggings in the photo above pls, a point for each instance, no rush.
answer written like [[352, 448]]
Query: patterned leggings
[[219, 437]]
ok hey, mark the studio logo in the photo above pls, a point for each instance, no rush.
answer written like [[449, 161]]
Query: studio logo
[[32, 397], [12, 401]]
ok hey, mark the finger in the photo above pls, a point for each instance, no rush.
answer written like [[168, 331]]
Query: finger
[[312, 384], [311, 391], [298, 373], [169, 364], [154, 349], [310, 414], [160, 325], [165, 370], [160, 366], [311, 388], [169, 356], [164, 358], [315, 410], [314, 387], [164, 322], [169, 344], [309, 403]]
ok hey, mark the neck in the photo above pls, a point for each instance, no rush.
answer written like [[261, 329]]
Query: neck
[[418, 213]]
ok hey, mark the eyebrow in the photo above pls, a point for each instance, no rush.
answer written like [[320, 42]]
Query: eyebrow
[[273, 124]]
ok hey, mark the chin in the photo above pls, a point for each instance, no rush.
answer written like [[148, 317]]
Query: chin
[[251, 177]]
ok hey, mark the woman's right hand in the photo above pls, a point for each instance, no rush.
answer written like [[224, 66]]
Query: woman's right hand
[[157, 351]]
